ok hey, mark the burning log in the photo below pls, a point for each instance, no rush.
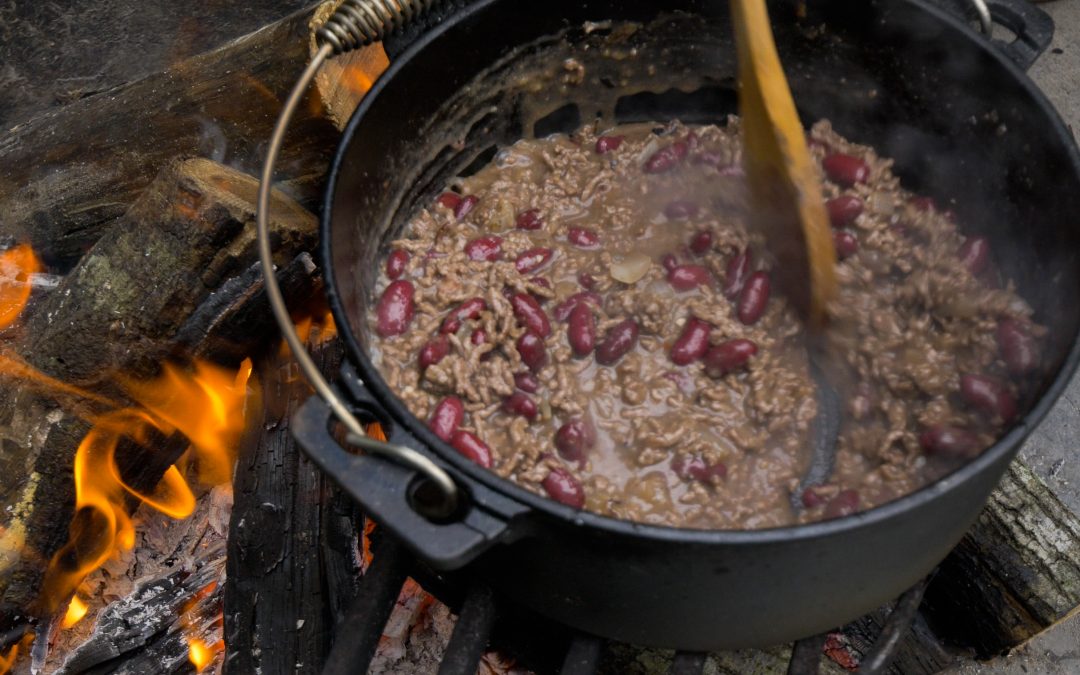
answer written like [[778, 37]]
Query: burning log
[[170, 591], [120, 312], [69, 173]]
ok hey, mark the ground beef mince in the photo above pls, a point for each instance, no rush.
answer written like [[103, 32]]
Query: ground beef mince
[[590, 317]]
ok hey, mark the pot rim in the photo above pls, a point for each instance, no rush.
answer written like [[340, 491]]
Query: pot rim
[[372, 379]]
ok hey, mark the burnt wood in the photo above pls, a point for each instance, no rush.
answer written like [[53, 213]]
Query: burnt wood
[[1015, 574], [277, 607], [64, 176], [120, 311]]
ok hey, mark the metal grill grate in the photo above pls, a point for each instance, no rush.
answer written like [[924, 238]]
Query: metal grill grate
[[478, 608]]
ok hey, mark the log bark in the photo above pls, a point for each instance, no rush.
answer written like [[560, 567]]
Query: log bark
[[1015, 574], [67, 174], [121, 311], [278, 600]]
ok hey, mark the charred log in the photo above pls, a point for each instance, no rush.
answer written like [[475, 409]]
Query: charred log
[[68, 173], [123, 309], [1015, 574], [278, 612]]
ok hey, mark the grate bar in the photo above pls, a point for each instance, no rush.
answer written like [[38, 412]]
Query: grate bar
[[687, 663], [583, 656], [358, 634], [806, 655], [471, 633], [898, 623]]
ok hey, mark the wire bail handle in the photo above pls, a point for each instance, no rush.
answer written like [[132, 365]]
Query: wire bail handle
[[355, 23]]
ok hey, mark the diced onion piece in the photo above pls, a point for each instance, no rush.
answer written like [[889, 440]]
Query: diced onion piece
[[630, 268]]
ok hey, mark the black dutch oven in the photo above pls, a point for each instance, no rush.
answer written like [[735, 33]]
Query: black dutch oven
[[964, 124]]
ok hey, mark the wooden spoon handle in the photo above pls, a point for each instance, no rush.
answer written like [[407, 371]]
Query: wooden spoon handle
[[784, 185]]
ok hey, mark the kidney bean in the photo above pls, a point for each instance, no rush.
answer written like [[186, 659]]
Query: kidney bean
[[564, 488], [532, 350], [618, 340], [681, 209], [606, 144], [434, 350], [465, 206], [692, 343], [845, 170], [754, 298], [737, 272], [478, 337], [701, 243], [447, 417], [688, 277], [669, 261], [843, 504], [530, 314], [810, 498], [530, 220], [581, 331], [989, 395], [587, 281], [696, 468], [950, 441], [450, 200], [563, 309], [575, 439], [466, 311], [484, 249], [543, 282], [843, 210], [728, 356], [665, 159], [582, 237], [975, 254], [471, 447], [394, 311], [923, 203], [396, 262], [527, 382], [1017, 346], [532, 260], [707, 158], [520, 404], [846, 244]]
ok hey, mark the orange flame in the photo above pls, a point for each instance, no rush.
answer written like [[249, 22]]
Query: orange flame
[[7, 661], [201, 654], [76, 610], [16, 266], [206, 405]]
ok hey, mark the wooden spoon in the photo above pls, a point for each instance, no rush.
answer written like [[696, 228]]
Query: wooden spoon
[[785, 191]]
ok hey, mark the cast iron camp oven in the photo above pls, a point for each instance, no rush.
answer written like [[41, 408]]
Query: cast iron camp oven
[[964, 124]]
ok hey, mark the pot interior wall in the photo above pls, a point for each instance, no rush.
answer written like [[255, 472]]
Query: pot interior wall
[[891, 74]]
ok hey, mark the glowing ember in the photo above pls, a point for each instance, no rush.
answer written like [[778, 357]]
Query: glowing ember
[[16, 266], [201, 654], [206, 405], [360, 75], [75, 612]]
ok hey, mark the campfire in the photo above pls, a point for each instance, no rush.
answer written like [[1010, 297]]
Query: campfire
[[157, 514]]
